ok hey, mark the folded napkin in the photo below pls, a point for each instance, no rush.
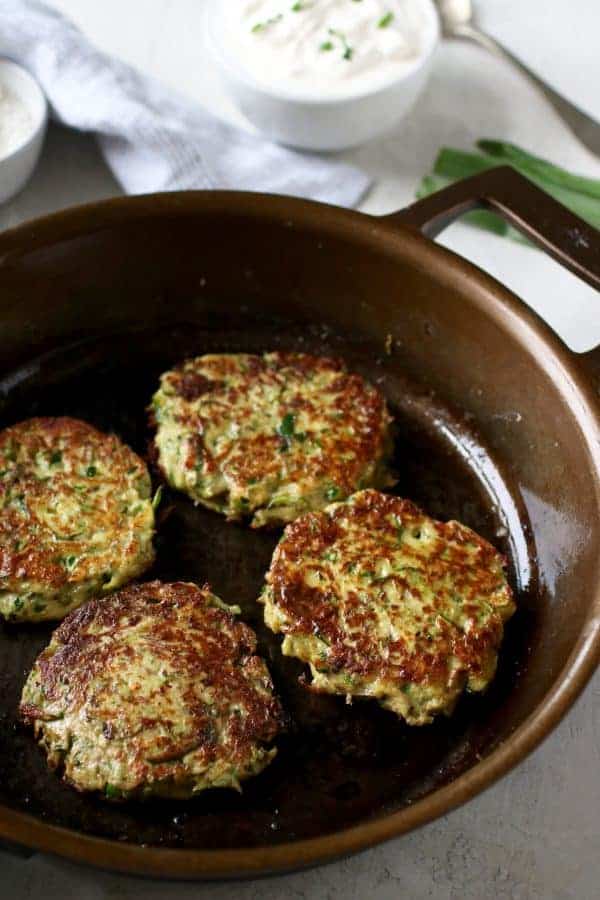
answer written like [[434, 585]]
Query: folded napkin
[[153, 139]]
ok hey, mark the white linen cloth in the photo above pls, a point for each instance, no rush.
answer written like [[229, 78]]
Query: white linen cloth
[[151, 138]]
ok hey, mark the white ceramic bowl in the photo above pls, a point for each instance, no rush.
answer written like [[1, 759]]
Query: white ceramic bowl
[[17, 167], [312, 123]]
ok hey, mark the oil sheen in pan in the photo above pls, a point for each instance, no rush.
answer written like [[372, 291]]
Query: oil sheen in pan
[[338, 764]]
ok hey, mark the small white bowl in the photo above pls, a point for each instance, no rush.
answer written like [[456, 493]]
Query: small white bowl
[[327, 124], [17, 167]]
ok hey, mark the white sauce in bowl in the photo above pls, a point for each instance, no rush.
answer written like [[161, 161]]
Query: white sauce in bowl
[[327, 48]]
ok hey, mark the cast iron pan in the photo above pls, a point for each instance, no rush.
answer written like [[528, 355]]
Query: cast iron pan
[[498, 427]]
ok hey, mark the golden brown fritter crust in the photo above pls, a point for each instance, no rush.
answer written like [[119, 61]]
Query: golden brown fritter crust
[[269, 436], [154, 690], [76, 516], [383, 601]]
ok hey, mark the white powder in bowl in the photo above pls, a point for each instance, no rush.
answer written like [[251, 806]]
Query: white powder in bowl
[[15, 121]]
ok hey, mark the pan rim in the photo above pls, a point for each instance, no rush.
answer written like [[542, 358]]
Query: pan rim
[[568, 376]]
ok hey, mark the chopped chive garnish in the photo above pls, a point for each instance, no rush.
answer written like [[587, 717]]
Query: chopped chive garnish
[[348, 51], [91, 471], [286, 426], [386, 20], [260, 26], [326, 46], [56, 458], [157, 497]]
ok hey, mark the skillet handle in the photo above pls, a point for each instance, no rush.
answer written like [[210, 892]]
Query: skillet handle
[[562, 234]]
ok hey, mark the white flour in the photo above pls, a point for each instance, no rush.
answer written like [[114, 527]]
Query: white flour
[[15, 121]]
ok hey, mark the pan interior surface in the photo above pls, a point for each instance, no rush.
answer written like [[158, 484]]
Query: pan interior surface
[[338, 765]]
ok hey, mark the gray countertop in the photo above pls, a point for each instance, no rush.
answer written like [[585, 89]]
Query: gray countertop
[[535, 834]]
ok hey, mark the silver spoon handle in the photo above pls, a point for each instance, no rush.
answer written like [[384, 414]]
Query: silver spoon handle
[[583, 126]]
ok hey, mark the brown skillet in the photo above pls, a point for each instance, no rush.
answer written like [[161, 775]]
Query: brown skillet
[[499, 425]]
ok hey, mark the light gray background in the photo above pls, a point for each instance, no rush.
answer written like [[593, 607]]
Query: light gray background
[[536, 834]]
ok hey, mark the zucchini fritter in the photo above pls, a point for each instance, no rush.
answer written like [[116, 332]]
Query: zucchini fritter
[[153, 691], [269, 437], [382, 601], [76, 517]]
